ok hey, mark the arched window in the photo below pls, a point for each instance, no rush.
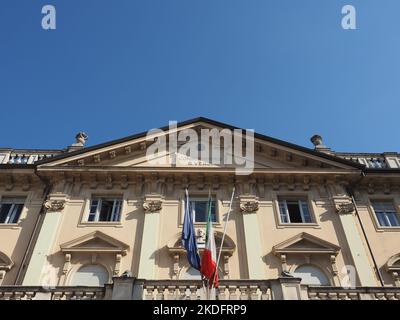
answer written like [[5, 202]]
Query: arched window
[[90, 275], [311, 275]]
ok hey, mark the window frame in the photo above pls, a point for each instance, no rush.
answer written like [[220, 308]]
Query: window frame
[[14, 201], [199, 196], [205, 198], [117, 203], [307, 198], [378, 224], [300, 203]]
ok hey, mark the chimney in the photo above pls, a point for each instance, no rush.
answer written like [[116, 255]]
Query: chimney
[[80, 138]]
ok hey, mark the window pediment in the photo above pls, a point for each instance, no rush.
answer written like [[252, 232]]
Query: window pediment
[[95, 242], [306, 244], [393, 263]]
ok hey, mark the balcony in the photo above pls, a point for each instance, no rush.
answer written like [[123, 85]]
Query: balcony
[[193, 290], [13, 156], [58, 293], [362, 293], [139, 289]]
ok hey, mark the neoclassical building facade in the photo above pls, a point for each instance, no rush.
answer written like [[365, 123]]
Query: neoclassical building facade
[[306, 223]]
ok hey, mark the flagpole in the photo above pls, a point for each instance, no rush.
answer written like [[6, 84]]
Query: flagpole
[[223, 235], [208, 217]]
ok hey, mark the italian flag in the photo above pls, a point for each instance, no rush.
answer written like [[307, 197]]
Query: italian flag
[[209, 257]]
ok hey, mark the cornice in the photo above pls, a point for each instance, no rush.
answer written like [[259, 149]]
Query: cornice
[[282, 171]]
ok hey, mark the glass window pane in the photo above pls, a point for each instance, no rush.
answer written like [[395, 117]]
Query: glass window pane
[[201, 210], [117, 210], [93, 206], [16, 212], [306, 212], [93, 210], [283, 213], [381, 219], [386, 213], [393, 218], [4, 209]]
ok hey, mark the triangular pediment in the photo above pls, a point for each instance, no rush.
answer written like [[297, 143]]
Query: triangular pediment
[[95, 242], [306, 244], [131, 152]]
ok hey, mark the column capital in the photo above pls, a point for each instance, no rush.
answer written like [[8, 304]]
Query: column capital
[[343, 205], [248, 203], [152, 203], [54, 204]]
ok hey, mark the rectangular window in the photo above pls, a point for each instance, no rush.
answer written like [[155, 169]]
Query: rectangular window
[[294, 211], [200, 209], [105, 209], [10, 209], [386, 213]]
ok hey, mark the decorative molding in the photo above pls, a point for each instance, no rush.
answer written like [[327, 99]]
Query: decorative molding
[[5, 262], [112, 154], [201, 235], [54, 205], [305, 244], [249, 204], [117, 266], [226, 266], [152, 206], [95, 242], [393, 267], [284, 262], [67, 263], [97, 158], [333, 265], [345, 207], [176, 266]]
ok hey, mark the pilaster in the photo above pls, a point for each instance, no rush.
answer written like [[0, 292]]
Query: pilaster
[[46, 238], [152, 206], [249, 207], [346, 209]]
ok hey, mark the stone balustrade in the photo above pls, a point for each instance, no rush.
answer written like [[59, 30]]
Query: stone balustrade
[[24, 156], [58, 293], [365, 293], [193, 290], [373, 161]]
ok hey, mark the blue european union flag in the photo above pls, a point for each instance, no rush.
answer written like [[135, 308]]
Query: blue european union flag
[[189, 237]]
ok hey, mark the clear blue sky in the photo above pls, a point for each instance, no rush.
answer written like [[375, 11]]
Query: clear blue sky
[[285, 68]]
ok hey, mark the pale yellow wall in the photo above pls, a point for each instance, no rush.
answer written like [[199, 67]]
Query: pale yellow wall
[[14, 238], [385, 242], [327, 227], [171, 227], [74, 225]]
